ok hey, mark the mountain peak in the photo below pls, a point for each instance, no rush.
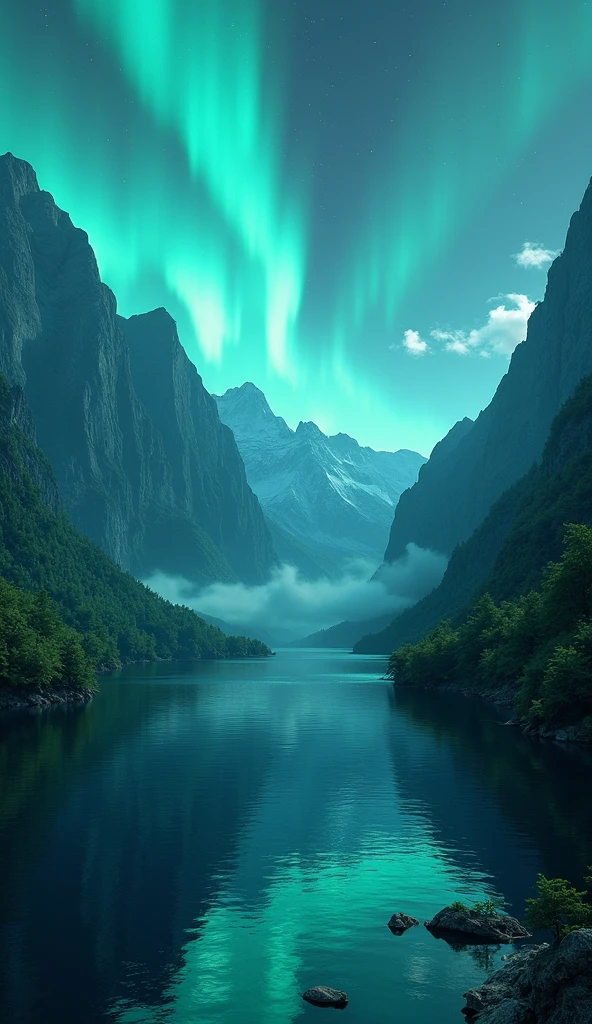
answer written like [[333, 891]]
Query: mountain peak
[[247, 407], [17, 175], [327, 499], [309, 429]]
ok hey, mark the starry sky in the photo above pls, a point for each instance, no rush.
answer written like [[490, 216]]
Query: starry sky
[[352, 204]]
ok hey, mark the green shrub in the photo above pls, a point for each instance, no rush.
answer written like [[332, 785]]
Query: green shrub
[[489, 907], [559, 907]]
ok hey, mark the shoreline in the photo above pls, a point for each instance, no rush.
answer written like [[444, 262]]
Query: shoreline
[[579, 733], [25, 698], [39, 699]]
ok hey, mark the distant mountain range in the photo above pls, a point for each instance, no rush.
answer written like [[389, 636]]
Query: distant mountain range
[[327, 500]]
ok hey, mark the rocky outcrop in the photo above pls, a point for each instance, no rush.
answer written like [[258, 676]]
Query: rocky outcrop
[[399, 923], [125, 482], [327, 498], [453, 495], [541, 985], [321, 995], [38, 699], [472, 926]]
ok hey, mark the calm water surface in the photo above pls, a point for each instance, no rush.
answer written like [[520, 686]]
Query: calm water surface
[[203, 843]]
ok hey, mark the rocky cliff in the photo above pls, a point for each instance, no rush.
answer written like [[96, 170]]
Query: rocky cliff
[[443, 508], [541, 985], [331, 498], [208, 480], [125, 481], [523, 531]]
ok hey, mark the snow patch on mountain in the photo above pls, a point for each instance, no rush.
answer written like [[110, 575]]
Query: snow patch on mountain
[[334, 498]]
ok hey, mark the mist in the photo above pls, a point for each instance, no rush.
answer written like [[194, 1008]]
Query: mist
[[289, 603]]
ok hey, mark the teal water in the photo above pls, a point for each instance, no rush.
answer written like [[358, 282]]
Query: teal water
[[202, 843]]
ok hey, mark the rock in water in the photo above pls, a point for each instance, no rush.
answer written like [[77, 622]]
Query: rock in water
[[321, 995], [543, 985], [399, 923], [474, 927]]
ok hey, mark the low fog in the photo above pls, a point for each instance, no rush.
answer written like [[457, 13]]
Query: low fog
[[288, 603]]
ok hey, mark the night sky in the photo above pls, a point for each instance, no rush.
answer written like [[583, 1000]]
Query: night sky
[[328, 195]]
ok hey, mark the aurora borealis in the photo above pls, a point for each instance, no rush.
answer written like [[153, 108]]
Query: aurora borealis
[[302, 183]]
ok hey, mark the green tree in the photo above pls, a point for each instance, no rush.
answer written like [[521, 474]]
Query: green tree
[[567, 584], [430, 662], [557, 907], [484, 621], [513, 641], [566, 688]]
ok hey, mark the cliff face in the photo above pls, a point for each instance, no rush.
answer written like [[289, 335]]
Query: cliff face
[[508, 436], [208, 479], [523, 531], [61, 339], [19, 453]]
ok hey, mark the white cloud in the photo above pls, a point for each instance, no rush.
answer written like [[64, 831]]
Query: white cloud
[[505, 328], [535, 255], [288, 602], [415, 345]]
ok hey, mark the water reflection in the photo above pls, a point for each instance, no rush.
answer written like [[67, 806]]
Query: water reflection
[[203, 843]]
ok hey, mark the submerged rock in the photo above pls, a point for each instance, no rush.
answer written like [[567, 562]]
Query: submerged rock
[[321, 995], [475, 927], [541, 985], [399, 923]]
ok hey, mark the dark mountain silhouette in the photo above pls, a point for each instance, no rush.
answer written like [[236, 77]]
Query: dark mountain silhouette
[[148, 472]]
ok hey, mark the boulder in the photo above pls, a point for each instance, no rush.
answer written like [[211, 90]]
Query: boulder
[[500, 986], [475, 927], [399, 923], [321, 995], [542, 985]]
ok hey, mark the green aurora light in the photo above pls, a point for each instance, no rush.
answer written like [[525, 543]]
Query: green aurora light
[[461, 131], [162, 127]]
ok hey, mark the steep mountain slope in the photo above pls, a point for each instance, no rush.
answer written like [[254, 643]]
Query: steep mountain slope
[[125, 481], [332, 496], [442, 510], [524, 530], [117, 617], [208, 477], [344, 634]]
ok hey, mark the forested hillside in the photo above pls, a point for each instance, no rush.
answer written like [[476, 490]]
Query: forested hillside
[[524, 530], [527, 630], [537, 647], [115, 618]]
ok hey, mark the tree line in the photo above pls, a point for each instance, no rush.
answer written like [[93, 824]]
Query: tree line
[[538, 645], [95, 614]]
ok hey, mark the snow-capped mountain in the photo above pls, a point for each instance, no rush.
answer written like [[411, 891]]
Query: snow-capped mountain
[[327, 500]]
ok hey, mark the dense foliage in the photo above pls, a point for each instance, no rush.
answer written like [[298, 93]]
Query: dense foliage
[[36, 646], [117, 618], [540, 644], [558, 907]]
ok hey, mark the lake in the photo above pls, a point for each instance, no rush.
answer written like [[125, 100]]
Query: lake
[[204, 842]]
